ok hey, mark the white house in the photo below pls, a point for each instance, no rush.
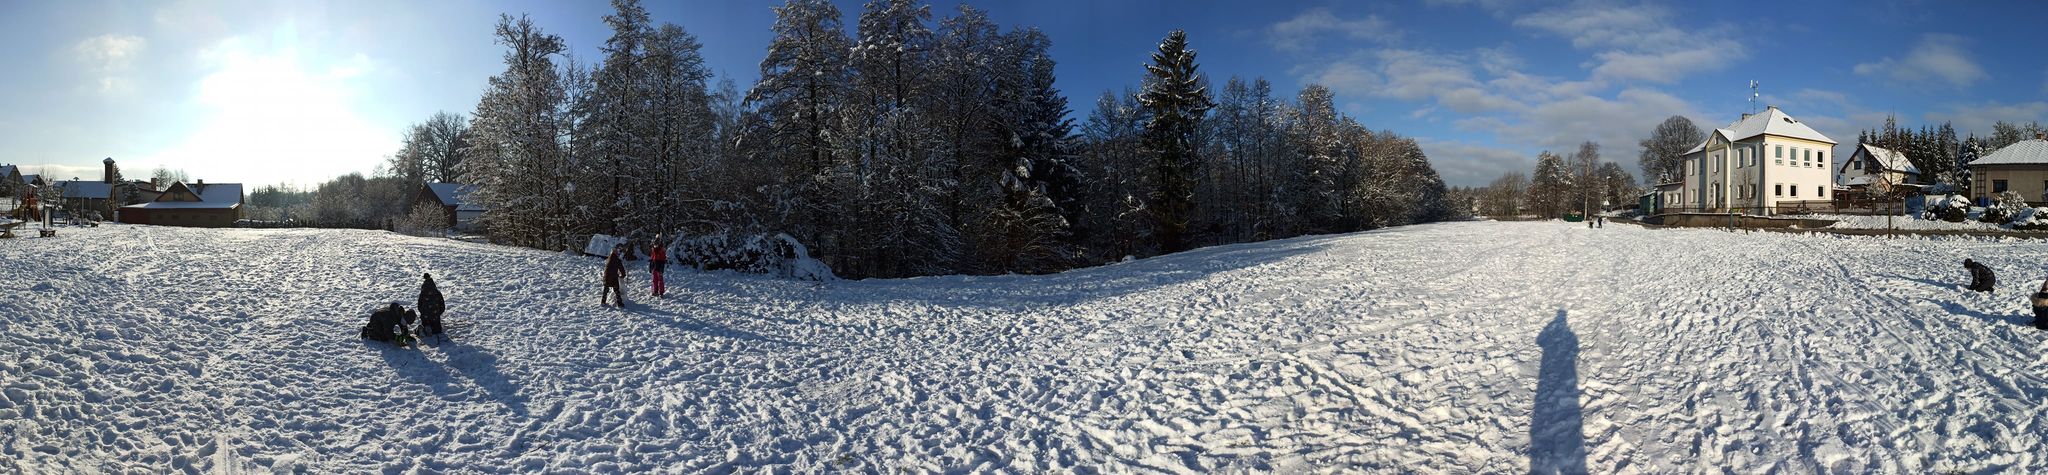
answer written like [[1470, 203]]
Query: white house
[[1760, 162], [1874, 165]]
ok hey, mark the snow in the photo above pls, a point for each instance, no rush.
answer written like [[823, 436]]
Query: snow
[[1468, 347], [1850, 221]]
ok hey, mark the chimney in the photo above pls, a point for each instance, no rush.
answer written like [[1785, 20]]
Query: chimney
[[1771, 107], [108, 176], [1745, 115]]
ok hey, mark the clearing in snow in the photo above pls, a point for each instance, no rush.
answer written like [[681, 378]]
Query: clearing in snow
[[1454, 348]]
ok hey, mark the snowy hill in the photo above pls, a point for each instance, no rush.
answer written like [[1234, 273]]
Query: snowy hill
[[1447, 348]]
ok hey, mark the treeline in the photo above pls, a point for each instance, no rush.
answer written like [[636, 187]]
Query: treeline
[[906, 148], [1579, 183]]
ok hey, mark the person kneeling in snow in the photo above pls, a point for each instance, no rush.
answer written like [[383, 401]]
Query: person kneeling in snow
[[390, 325], [1981, 278]]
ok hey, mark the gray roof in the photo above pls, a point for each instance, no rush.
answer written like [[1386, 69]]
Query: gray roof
[[455, 194], [84, 189], [2024, 152]]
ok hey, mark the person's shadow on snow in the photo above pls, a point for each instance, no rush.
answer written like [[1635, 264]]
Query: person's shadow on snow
[[1557, 441], [479, 366]]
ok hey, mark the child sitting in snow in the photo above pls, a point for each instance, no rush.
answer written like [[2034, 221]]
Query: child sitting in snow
[[1981, 278]]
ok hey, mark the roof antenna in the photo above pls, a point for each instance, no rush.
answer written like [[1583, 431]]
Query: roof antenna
[[1752, 96]]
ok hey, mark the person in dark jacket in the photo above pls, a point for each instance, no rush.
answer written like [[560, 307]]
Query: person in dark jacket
[[657, 261], [2040, 301], [389, 325], [614, 271], [1981, 278], [431, 306]]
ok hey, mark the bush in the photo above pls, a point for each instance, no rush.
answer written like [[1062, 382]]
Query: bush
[[779, 254], [1951, 208], [426, 219], [2006, 209]]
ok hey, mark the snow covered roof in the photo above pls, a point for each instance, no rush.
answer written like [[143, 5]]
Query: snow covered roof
[[1771, 122], [30, 179], [8, 170], [84, 189], [1889, 159], [1774, 122], [2024, 152], [196, 196]]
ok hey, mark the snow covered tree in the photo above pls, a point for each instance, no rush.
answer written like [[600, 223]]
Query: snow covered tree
[[1618, 186], [1503, 197], [1663, 153], [1316, 136], [516, 157], [802, 88], [1178, 100], [1550, 187], [1959, 175], [1587, 186], [1114, 161]]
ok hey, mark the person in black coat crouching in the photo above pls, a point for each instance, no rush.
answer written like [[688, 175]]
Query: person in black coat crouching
[[431, 306], [1981, 278]]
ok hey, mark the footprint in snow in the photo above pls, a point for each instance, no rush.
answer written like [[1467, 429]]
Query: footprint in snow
[[43, 287]]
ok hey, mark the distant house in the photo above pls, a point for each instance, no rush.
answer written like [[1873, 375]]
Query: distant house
[[2021, 167], [453, 198], [1760, 162], [1874, 165], [81, 197], [197, 204]]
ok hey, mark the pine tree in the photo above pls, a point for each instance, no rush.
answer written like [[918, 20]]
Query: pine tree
[[1178, 100]]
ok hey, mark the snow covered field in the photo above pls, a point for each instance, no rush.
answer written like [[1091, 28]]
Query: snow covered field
[[1448, 348]]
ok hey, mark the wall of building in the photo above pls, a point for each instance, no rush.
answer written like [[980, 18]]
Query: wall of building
[[2025, 179], [1813, 179], [198, 218]]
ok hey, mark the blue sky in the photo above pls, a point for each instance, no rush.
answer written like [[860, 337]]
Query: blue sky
[[297, 92]]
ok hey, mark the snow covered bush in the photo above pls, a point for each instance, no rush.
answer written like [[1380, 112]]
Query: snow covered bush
[[779, 254], [2008, 207], [2031, 219], [1951, 208]]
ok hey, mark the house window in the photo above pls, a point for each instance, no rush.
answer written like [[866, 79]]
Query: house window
[[1997, 186], [1820, 156], [1778, 189], [1795, 191], [1781, 151], [1856, 164], [1820, 192]]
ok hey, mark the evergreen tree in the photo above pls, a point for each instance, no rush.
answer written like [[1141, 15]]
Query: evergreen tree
[[1178, 101], [797, 101], [516, 160]]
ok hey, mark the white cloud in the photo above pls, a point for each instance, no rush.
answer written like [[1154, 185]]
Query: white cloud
[[1978, 118], [108, 59], [1464, 164], [1300, 32], [1637, 42], [1413, 76], [1936, 59]]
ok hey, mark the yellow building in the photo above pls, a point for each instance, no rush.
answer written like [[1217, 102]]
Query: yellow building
[[2021, 167]]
